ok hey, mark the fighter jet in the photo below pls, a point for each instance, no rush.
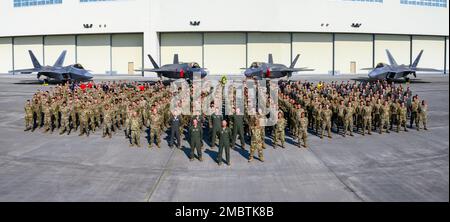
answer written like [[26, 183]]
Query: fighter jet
[[58, 72], [393, 71], [177, 70], [271, 70]]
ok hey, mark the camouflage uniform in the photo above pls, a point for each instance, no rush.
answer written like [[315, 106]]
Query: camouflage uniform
[[326, 122], [423, 115], [279, 133], [28, 116], [257, 143], [402, 112], [135, 130], [367, 120], [302, 131], [47, 117], [65, 113], [348, 124], [84, 120], [384, 117], [155, 124], [107, 122]]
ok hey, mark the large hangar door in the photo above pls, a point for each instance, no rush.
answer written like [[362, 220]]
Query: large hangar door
[[398, 45], [316, 51], [55, 45], [353, 52], [126, 53], [188, 46], [261, 44], [433, 51], [224, 52], [6, 55], [93, 52], [22, 57]]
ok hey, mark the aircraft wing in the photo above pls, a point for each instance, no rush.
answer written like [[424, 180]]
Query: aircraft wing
[[24, 71], [297, 69], [152, 70], [426, 70]]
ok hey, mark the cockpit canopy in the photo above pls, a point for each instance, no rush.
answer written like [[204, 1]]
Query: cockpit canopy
[[380, 65], [194, 65], [78, 66], [255, 65]]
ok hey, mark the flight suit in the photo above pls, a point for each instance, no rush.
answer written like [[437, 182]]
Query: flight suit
[[215, 124], [238, 129], [195, 141], [225, 141]]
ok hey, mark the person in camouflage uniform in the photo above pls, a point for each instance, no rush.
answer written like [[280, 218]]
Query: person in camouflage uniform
[[384, 117], [279, 130], [37, 109], [348, 124], [302, 130], [256, 142], [401, 113], [29, 123], [107, 121], [155, 124], [423, 115], [65, 115], [326, 121], [46, 110], [367, 119], [84, 120], [415, 105], [135, 129]]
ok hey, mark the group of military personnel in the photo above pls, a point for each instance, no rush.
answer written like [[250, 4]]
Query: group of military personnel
[[349, 108], [303, 106]]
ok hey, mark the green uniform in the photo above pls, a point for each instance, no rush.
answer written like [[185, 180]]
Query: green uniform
[[348, 123], [367, 120], [401, 112], [65, 114], [107, 123], [135, 130], [302, 132], [195, 141], [225, 141], [84, 120], [215, 124], [238, 129], [47, 117], [414, 114]]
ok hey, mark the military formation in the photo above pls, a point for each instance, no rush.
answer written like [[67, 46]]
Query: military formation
[[304, 109]]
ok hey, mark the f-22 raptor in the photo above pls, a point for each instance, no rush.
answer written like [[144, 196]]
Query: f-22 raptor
[[270, 70], [58, 72], [177, 70], [393, 71]]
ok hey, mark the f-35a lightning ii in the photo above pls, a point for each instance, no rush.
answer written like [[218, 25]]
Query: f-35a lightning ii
[[260, 70], [393, 71], [58, 72], [177, 70]]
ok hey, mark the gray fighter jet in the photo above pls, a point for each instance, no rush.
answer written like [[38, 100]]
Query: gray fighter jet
[[177, 70], [393, 71], [58, 72], [270, 70]]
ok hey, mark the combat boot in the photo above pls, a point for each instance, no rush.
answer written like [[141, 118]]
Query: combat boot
[[282, 145], [261, 159]]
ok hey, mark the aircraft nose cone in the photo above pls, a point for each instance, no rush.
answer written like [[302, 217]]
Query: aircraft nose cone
[[89, 75]]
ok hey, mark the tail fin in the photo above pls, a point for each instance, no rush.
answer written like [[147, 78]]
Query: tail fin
[[270, 58], [295, 61], [391, 58], [416, 62], [155, 65], [36, 63], [60, 61], [175, 59]]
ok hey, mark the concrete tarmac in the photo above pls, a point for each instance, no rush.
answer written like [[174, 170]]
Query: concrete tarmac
[[406, 166]]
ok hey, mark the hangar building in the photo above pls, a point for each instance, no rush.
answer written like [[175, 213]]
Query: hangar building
[[112, 37]]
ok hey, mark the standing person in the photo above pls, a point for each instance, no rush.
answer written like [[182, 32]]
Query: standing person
[[384, 117], [279, 130], [415, 105], [326, 121], [302, 131], [175, 129], [107, 121], [214, 123], [225, 141], [29, 123], [135, 130], [195, 141], [423, 115], [83, 116], [65, 114], [47, 116], [238, 127], [155, 124], [367, 119], [257, 141], [348, 124], [402, 112]]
